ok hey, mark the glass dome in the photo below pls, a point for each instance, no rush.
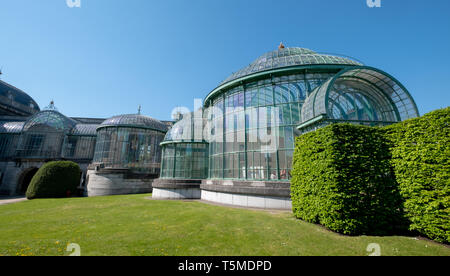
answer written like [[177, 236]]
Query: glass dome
[[130, 141], [43, 135], [285, 57], [258, 111], [49, 119], [17, 99], [184, 150], [135, 120]]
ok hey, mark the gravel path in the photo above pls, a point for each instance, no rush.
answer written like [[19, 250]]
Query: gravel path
[[9, 200]]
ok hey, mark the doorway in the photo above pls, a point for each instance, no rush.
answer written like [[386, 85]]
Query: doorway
[[25, 179]]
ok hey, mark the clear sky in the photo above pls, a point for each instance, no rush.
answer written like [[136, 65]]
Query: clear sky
[[110, 56]]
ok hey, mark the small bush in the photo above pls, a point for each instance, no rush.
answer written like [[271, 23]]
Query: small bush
[[420, 157], [342, 179], [55, 180]]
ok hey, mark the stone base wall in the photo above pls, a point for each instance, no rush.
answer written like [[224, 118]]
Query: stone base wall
[[253, 194], [176, 189], [116, 182], [250, 201]]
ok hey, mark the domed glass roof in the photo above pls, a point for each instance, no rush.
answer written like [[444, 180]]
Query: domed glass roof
[[135, 120], [285, 57], [188, 129], [52, 119], [10, 95]]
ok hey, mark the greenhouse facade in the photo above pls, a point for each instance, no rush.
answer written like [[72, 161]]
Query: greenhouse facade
[[253, 117], [237, 149], [118, 155]]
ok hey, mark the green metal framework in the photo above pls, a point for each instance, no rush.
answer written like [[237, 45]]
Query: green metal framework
[[130, 141], [131, 147], [9, 138], [239, 111], [185, 149], [184, 160], [287, 57], [51, 135], [378, 97], [359, 95]]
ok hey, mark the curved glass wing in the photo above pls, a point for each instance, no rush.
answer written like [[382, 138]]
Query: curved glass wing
[[360, 94]]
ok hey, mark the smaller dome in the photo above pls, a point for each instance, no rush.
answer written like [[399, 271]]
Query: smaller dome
[[135, 120]]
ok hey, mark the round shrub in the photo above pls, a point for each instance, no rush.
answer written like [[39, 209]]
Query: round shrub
[[55, 180]]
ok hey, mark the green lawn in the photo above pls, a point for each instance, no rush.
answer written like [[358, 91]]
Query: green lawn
[[134, 225]]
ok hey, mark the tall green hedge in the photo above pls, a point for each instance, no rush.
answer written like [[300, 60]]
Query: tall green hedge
[[342, 179], [55, 180], [421, 160]]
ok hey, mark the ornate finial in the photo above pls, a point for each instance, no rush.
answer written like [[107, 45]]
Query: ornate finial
[[51, 106], [139, 110], [281, 46]]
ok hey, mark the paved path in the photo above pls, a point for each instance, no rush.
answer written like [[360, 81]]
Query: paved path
[[9, 200]]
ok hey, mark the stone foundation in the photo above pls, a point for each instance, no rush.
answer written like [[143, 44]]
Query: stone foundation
[[176, 189], [252, 194], [103, 182]]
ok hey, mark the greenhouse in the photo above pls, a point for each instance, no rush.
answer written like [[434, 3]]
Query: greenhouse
[[185, 156], [256, 113], [237, 149], [285, 89], [184, 159], [127, 155], [51, 135], [130, 141]]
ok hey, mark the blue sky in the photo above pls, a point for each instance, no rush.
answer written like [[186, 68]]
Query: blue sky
[[109, 56]]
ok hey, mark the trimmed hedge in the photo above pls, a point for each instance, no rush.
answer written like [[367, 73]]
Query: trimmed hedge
[[420, 157], [342, 179], [55, 180]]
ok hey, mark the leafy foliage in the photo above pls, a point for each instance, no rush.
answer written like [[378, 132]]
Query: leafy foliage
[[342, 179], [55, 180], [420, 157], [356, 180]]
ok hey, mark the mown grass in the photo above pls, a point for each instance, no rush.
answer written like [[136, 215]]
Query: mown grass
[[135, 225]]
